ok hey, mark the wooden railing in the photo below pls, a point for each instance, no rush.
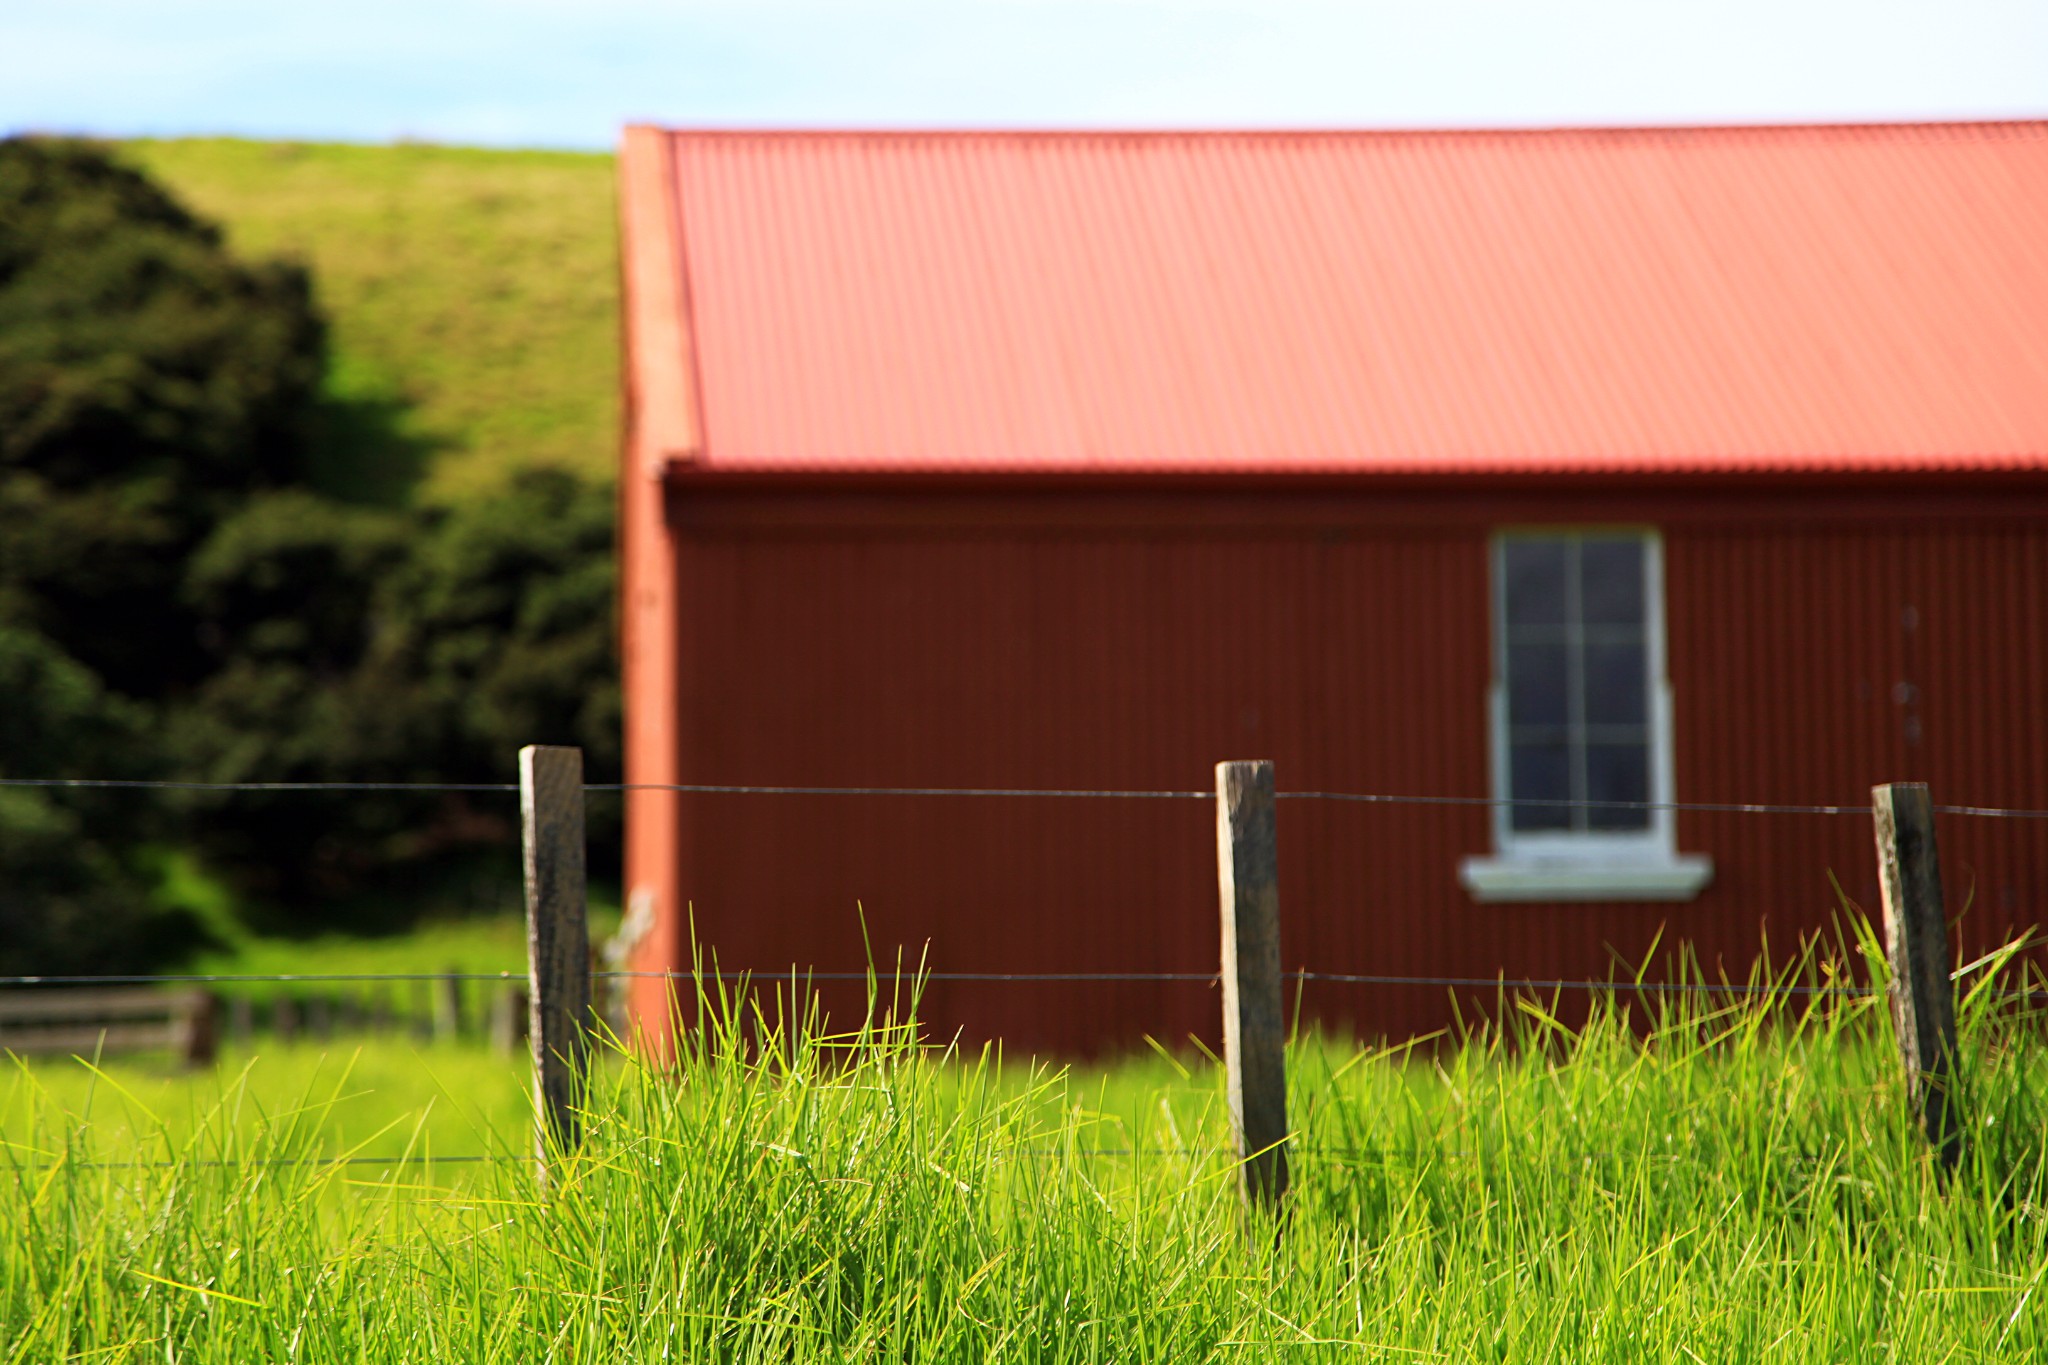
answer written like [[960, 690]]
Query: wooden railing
[[90, 1022]]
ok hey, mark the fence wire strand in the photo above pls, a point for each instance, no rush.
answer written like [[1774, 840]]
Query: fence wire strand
[[167, 784], [800, 976], [1295, 1149], [1057, 793], [285, 1162]]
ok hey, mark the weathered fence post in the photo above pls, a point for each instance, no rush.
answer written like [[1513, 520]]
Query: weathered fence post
[[197, 1028], [1254, 1037], [448, 1006], [557, 940], [1916, 942], [509, 1010]]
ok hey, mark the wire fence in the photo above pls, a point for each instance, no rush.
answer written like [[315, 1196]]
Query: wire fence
[[1296, 1149], [1361, 1155], [736, 789], [801, 975], [447, 981], [1049, 793], [1731, 990]]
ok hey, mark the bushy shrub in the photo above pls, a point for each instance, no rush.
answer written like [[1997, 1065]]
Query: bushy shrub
[[72, 897], [149, 382], [178, 600]]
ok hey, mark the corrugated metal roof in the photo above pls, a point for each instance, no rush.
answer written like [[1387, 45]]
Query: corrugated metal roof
[[1823, 298]]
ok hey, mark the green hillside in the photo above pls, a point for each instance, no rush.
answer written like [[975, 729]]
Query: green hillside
[[473, 295]]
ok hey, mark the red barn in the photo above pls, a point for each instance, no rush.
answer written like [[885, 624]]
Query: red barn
[[1566, 467]]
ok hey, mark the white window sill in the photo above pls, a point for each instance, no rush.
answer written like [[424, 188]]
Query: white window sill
[[1678, 877]]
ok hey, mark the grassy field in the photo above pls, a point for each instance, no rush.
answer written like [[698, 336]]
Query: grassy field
[[482, 932], [1727, 1187], [473, 296], [484, 943], [379, 1098]]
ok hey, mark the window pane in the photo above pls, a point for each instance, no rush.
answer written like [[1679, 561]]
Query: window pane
[[1538, 771], [1617, 685], [1533, 573], [1617, 772], [1536, 685], [1611, 582]]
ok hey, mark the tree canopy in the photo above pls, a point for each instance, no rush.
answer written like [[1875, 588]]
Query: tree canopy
[[148, 383], [178, 600]]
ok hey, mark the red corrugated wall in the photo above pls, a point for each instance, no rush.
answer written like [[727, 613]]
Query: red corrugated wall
[[1053, 639]]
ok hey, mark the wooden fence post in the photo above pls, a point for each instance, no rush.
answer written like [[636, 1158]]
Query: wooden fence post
[[1916, 942], [509, 1011], [1254, 1036], [197, 1028], [448, 1006], [557, 940]]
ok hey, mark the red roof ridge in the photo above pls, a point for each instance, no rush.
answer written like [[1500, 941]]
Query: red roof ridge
[[2026, 126]]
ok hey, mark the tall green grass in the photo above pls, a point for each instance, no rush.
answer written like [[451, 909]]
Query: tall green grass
[[1710, 1182]]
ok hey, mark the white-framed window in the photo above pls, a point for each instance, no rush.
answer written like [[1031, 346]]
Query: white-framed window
[[1579, 722]]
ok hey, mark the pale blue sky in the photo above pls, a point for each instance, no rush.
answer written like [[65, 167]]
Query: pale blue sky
[[569, 72]]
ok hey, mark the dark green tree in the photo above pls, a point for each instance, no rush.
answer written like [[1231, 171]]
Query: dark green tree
[[365, 646], [149, 383], [506, 610], [71, 896], [177, 601]]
